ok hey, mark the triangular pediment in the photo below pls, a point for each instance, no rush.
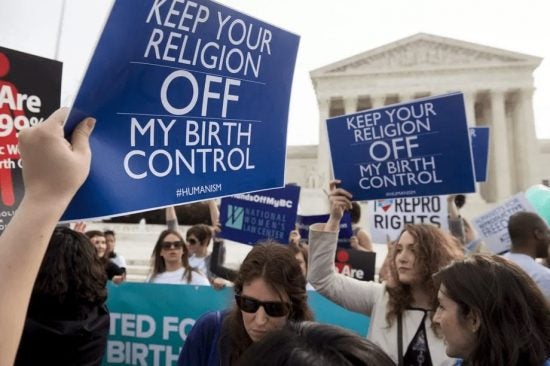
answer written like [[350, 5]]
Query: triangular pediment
[[425, 51]]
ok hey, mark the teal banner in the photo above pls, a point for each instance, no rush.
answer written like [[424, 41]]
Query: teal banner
[[150, 322]]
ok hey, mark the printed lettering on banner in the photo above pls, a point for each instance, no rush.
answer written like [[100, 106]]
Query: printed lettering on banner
[[492, 226], [191, 102], [30, 90], [418, 148], [388, 217], [249, 218]]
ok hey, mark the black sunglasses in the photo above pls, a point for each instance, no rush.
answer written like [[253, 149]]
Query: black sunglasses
[[192, 241], [169, 244], [271, 308]]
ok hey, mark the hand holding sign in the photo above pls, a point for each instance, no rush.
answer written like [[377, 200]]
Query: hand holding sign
[[55, 169], [340, 200]]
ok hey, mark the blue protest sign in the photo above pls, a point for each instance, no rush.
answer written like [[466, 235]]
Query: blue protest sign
[[418, 148], [191, 101], [479, 138], [148, 332], [249, 218], [303, 222]]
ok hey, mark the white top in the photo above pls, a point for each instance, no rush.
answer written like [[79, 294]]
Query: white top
[[177, 277], [199, 263], [539, 273], [369, 298], [119, 260]]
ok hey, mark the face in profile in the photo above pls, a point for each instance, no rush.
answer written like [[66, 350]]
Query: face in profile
[[262, 309], [405, 259], [171, 248], [193, 244], [100, 245], [110, 240], [459, 331]]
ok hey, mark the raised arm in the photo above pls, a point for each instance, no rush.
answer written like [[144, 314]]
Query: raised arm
[[348, 292], [54, 170], [216, 262], [171, 218], [456, 224]]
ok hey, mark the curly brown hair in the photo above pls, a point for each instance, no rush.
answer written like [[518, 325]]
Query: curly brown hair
[[435, 249], [276, 265]]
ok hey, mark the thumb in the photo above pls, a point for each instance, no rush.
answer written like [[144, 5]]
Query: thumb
[[80, 138]]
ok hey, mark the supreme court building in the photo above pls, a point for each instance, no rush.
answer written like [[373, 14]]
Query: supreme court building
[[498, 86]]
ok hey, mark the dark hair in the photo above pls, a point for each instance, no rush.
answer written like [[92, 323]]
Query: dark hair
[[522, 227], [300, 248], [514, 315], [275, 264], [202, 232], [355, 212], [109, 232], [435, 249], [314, 344], [157, 262], [460, 200], [71, 271], [93, 233]]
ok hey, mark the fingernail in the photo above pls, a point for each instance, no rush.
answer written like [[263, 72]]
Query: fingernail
[[90, 123]]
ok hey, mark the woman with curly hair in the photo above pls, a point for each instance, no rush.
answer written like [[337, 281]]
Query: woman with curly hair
[[67, 321], [170, 262], [401, 312], [270, 289], [492, 313]]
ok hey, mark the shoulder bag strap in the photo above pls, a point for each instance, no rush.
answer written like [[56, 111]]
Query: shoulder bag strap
[[400, 341]]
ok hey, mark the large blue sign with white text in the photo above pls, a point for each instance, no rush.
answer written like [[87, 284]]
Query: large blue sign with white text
[[479, 137], [253, 217], [418, 148], [191, 101]]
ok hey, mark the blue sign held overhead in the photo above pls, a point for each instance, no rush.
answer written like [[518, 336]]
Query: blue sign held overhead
[[303, 223], [257, 216], [191, 101], [418, 148], [479, 137]]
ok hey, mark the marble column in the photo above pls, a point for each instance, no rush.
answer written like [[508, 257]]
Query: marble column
[[499, 160], [406, 97], [323, 156], [469, 104], [527, 146], [377, 100], [350, 105]]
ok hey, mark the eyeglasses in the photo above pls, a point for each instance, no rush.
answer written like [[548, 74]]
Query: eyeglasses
[[192, 241], [178, 244], [271, 308]]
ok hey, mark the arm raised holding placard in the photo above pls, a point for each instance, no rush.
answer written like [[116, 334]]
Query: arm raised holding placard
[[54, 169]]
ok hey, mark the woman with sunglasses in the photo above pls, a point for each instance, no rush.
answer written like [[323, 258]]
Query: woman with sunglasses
[[170, 262], [269, 291], [401, 313]]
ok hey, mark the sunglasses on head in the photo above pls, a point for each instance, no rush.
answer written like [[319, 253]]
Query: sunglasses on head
[[192, 241], [271, 308], [169, 244]]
